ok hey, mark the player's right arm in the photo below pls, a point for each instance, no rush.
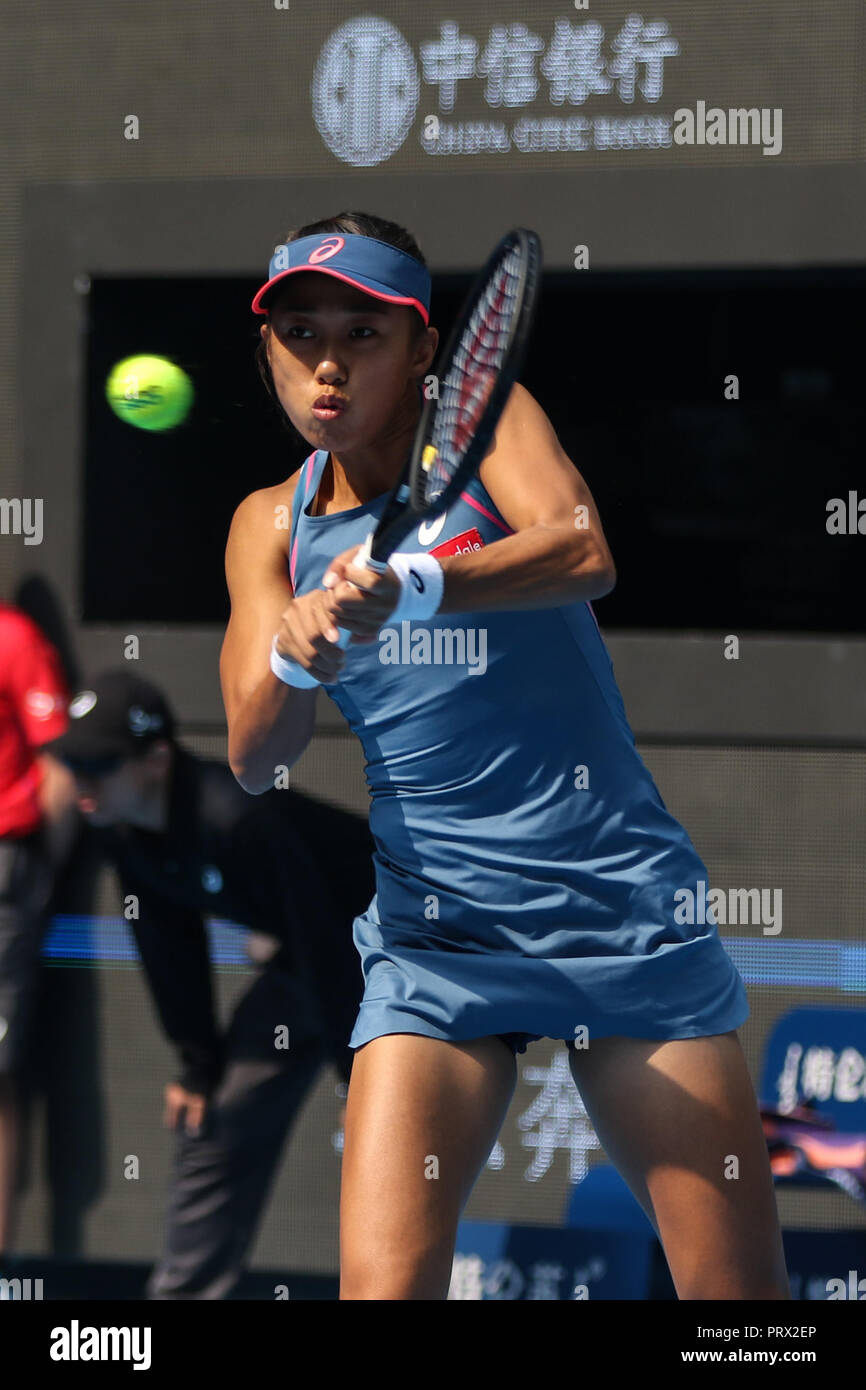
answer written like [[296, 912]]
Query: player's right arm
[[270, 723]]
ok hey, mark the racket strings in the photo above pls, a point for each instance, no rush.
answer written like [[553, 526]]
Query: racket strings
[[472, 375]]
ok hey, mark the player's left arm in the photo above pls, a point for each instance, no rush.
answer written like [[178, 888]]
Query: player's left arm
[[558, 553]]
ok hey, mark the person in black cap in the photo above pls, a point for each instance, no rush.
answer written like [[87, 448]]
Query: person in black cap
[[187, 841]]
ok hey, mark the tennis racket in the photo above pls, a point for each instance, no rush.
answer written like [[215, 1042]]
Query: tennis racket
[[475, 373]]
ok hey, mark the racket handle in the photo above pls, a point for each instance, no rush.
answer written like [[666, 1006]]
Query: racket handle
[[362, 559], [301, 679]]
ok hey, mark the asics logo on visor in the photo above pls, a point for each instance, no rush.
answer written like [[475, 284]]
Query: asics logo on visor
[[327, 249]]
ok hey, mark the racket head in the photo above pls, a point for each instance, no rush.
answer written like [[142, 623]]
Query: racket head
[[475, 373]]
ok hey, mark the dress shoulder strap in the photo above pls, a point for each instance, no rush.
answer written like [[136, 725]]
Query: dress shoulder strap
[[308, 482]]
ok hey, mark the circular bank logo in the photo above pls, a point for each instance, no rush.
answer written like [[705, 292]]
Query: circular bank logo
[[365, 91]]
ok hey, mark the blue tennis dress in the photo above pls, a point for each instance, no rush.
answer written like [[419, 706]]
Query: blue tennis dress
[[526, 865]]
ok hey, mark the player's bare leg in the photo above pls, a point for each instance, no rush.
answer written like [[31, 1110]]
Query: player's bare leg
[[673, 1117], [421, 1118]]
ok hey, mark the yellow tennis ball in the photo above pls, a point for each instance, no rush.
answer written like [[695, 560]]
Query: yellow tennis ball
[[149, 392]]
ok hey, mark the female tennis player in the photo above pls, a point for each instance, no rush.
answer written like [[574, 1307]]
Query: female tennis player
[[526, 865]]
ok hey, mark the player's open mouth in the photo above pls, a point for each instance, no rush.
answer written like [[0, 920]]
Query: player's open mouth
[[328, 407]]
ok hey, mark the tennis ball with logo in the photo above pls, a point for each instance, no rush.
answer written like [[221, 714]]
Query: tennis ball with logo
[[151, 393]]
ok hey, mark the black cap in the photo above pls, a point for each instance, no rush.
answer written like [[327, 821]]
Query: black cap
[[113, 718]]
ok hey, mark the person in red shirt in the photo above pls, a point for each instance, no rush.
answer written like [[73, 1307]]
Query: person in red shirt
[[39, 819]]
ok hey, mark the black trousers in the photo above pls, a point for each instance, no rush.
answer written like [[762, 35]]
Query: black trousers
[[221, 1180]]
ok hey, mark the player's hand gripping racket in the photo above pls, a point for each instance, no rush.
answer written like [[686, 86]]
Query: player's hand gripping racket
[[476, 371]]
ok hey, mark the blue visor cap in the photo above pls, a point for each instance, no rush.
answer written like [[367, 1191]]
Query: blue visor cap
[[373, 266]]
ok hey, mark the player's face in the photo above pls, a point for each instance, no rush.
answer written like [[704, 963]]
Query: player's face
[[327, 336], [113, 798]]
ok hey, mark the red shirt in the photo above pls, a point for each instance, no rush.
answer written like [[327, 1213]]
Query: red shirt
[[33, 709]]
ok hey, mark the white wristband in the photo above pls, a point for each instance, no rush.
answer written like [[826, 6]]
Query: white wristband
[[421, 583], [289, 671]]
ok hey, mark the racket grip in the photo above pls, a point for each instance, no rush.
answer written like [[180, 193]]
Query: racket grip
[[363, 557], [363, 560], [301, 678]]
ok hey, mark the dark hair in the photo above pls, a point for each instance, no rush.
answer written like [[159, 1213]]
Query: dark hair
[[350, 224]]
